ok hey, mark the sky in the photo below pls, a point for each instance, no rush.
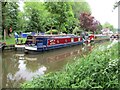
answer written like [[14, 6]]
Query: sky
[[103, 11]]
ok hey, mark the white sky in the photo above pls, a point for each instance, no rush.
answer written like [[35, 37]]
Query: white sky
[[102, 11]]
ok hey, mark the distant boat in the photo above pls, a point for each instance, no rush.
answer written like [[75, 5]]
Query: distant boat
[[101, 37]]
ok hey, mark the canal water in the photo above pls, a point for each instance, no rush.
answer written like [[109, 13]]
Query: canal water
[[18, 67]]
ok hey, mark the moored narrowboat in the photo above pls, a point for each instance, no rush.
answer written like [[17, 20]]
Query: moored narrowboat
[[96, 38], [101, 37], [47, 42]]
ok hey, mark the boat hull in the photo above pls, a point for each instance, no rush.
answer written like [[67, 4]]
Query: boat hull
[[19, 47], [51, 47]]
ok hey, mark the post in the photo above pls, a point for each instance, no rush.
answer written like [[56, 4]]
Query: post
[[4, 35]]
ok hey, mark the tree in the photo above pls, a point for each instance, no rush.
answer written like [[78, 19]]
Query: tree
[[88, 22], [51, 22], [34, 21], [62, 11], [36, 15], [9, 15], [9, 18], [108, 25], [21, 21], [80, 7], [99, 28]]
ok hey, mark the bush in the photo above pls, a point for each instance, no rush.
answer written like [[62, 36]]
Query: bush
[[99, 69], [54, 31]]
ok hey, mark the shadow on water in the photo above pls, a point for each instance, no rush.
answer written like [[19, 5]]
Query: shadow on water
[[18, 67]]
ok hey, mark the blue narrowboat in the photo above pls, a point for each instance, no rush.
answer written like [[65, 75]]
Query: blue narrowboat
[[47, 42]]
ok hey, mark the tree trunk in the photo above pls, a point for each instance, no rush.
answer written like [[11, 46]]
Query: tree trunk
[[3, 16]]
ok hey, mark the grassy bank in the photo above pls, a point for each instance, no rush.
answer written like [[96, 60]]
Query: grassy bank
[[99, 69], [11, 40]]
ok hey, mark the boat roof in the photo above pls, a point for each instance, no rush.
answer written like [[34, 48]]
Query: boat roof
[[55, 36]]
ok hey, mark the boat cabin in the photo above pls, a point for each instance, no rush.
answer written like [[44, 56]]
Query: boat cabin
[[52, 39], [45, 42]]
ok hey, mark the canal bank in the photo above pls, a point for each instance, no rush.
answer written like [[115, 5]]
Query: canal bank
[[97, 70]]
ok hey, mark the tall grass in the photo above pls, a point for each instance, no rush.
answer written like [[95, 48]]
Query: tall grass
[[99, 69]]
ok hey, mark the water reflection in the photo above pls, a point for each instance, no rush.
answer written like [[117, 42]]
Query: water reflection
[[19, 67], [27, 74]]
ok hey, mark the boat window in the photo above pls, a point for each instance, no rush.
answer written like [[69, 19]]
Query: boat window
[[79, 39], [66, 40], [29, 37], [28, 42], [72, 39], [39, 41]]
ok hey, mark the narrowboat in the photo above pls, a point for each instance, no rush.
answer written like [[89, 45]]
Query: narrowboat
[[97, 38], [100, 37], [47, 42]]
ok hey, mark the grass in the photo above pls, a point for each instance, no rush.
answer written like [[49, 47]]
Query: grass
[[99, 69], [11, 40]]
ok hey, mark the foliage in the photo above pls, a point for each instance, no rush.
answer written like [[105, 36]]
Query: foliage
[[21, 22], [97, 70], [99, 28], [21, 39], [88, 22], [77, 30], [53, 31], [9, 15], [63, 13], [80, 7], [36, 15], [42, 17], [10, 41], [108, 25], [34, 21]]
